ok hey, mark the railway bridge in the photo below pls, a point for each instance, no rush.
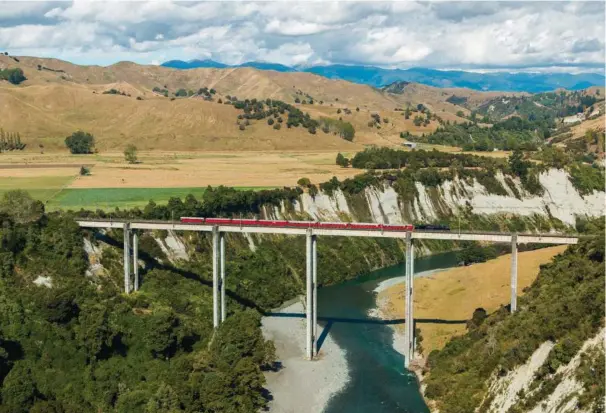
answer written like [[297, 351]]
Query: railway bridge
[[311, 234]]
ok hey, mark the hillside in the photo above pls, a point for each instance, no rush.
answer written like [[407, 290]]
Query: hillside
[[547, 357], [59, 97]]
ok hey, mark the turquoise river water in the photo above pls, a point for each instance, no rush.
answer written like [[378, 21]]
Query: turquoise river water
[[378, 381]]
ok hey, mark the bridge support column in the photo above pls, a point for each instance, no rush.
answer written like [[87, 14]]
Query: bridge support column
[[314, 269], [409, 334], [126, 258], [514, 273], [222, 281], [136, 260], [309, 292], [216, 265]]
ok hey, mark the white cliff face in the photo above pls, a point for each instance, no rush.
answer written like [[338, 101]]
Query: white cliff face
[[173, 247], [563, 399], [506, 388], [560, 200]]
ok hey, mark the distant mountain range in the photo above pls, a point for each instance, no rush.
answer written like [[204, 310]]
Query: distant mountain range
[[378, 77]]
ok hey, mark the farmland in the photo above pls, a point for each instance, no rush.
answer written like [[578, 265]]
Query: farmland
[[55, 178]]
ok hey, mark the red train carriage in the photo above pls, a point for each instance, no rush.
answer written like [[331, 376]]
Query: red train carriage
[[297, 224]]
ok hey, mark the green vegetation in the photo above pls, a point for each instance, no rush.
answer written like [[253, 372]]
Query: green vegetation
[[513, 133], [162, 91], [113, 91], [103, 351], [548, 106], [565, 305], [14, 76], [10, 141], [342, 161], [457, 100], [130, 154], [108, 199], [431, 168], [276, 110], [80, 142], [344, 129], [154, 350], [587, 178]]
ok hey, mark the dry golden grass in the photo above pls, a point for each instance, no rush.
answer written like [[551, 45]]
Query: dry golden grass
[[179, 169], [455, 293], [51, 105]]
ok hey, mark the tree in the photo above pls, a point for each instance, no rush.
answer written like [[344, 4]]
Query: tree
[[19, 205], [305, 182], [518, 165], [181, 92], [130, 154], [342, 160], [80, 142]]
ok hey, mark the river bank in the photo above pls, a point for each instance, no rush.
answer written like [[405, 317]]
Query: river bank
[[301, 386], [444, 300]]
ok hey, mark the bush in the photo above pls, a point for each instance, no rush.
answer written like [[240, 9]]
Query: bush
[[14, 76], [304, 182], [84, 171], [80, 142], [130, 154]]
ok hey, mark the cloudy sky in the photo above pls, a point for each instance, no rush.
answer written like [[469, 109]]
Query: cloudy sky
[[547, 36]]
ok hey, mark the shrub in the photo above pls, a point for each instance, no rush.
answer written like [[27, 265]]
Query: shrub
[[342, 160], [130, 154], [304, 182], [80, 142], [14, 76], [84, 171]]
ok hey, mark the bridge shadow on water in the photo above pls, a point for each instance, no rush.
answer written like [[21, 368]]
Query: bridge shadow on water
[[330, 321]]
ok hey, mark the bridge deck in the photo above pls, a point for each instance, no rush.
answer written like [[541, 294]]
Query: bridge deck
[[416, 234]]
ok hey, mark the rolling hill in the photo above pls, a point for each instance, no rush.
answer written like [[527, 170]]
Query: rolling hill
[[130, 103], [379, 77], [59, 97]]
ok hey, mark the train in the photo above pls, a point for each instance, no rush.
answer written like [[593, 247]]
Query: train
[[309, 224]]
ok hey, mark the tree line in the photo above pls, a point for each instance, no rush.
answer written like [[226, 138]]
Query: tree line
[[10, 141]]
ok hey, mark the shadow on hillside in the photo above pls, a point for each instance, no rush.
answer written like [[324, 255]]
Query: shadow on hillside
[[152, 263]]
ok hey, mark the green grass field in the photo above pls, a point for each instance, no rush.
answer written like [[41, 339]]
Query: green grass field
[[123, 198], [49, 190], [40, 188]]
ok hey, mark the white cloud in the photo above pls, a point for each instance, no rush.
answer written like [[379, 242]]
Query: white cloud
[[395, 34]]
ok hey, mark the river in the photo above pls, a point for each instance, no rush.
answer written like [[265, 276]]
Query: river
[[378, 381]]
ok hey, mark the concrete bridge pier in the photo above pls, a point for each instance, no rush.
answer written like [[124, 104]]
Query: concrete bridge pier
[[314, 269], [311, 294], [136, 260], [514, 273], [222, 278], [216, 270], [409, 333], [127, 233]]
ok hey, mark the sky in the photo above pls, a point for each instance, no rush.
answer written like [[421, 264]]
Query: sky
[[482, 36]]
